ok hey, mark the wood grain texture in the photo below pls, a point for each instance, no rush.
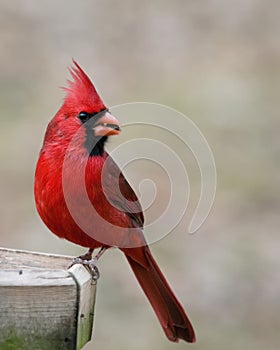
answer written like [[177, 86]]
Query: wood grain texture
[[42, 305]]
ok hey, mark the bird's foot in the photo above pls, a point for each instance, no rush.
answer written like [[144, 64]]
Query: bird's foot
[[90, 265], [89, 262], [87, 255]]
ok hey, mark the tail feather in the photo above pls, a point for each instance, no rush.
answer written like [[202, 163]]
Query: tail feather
[[169, 311]]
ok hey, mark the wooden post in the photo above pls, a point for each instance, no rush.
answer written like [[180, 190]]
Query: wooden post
[[43, 305]]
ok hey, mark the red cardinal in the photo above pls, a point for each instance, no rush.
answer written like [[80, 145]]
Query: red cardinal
[[74, 171]]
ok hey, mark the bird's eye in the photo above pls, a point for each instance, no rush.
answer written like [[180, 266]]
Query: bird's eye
[[84, 116]]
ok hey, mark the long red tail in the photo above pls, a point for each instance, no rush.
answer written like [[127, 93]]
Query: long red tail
[[169, 311]]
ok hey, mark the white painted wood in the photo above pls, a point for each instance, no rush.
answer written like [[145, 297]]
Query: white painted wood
[[42, 305]]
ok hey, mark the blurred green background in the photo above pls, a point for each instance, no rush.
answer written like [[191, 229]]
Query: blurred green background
[[217, 62]]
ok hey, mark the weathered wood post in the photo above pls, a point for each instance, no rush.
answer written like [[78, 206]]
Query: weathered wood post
[[43, 305]]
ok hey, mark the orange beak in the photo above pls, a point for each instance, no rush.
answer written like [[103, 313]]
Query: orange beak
[[107, 125]]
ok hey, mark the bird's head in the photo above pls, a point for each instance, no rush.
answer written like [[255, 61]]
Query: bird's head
[[84, 111]]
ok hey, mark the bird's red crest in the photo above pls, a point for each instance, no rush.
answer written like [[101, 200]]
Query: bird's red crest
[[81, 93]]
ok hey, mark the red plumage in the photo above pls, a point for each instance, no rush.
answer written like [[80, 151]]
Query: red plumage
[[67, 169]]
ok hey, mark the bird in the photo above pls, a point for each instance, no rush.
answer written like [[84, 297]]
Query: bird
[[82, 196]]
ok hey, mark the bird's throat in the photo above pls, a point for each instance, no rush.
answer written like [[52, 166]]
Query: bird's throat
[[93, 144]]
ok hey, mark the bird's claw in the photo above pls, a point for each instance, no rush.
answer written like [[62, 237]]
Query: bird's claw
[[90, 265], [93, 269]]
